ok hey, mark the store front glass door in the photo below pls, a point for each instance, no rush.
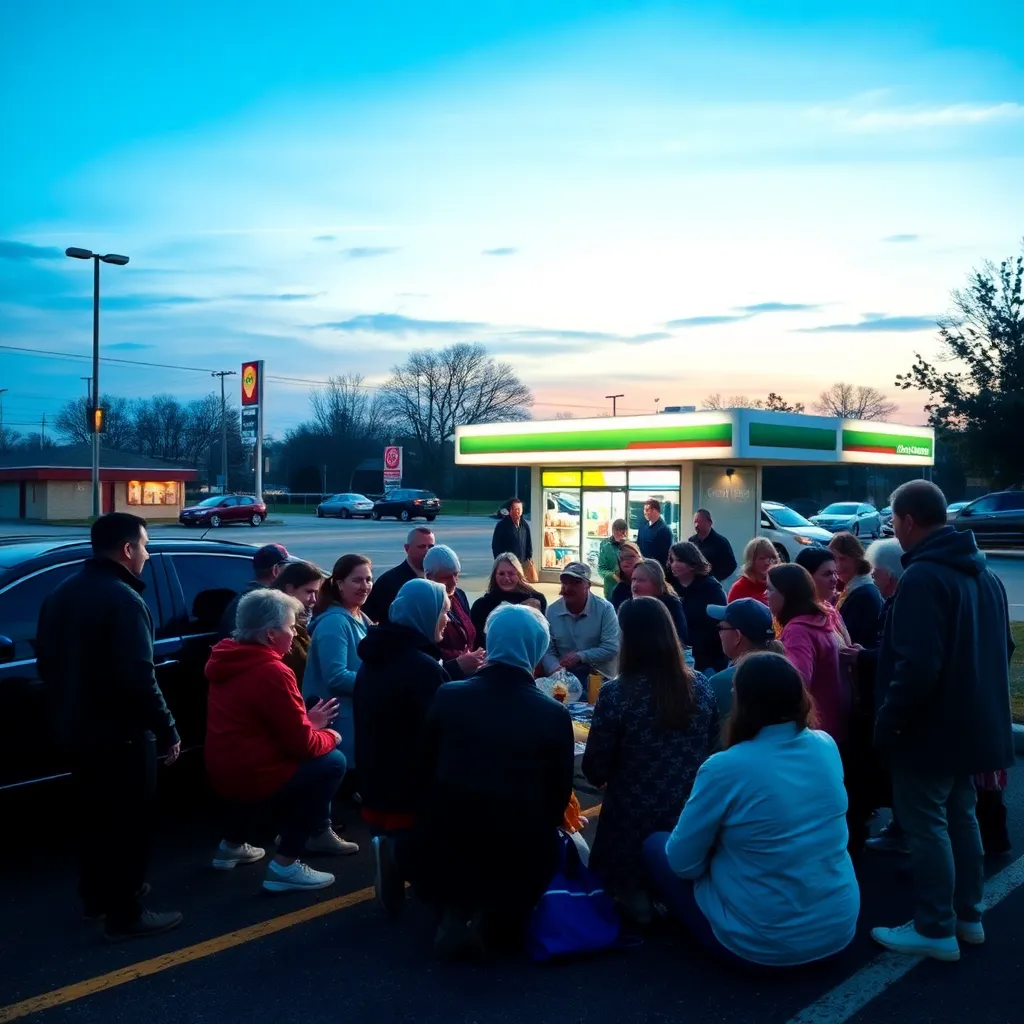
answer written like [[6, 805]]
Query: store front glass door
[[600, 510]]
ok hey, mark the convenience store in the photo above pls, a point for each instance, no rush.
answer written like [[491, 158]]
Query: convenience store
[[586, 473]]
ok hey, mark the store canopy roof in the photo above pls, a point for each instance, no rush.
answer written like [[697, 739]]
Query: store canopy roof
[[733, 434]]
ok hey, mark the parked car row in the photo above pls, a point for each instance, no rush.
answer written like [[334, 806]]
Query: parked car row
[[224, 509], [403, 503]]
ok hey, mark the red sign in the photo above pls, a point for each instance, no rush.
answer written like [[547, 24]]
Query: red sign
[[392, 467], [392, 457], [250, 384]]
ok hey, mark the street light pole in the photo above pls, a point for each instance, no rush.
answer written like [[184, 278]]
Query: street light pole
[[95, 422], [223, 429], [615, 399]]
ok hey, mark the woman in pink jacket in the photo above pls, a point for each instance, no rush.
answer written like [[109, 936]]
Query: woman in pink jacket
[[810, 644]]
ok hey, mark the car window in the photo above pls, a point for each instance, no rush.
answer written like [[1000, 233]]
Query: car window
[[840, 509], [785, 516], [987, 504], [246, 501], [229, 502], [208, 583], [1014, 501], [425, 494], [20, 603]]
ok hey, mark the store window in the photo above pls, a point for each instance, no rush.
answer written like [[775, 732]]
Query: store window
[[150, 492], [581, 505]]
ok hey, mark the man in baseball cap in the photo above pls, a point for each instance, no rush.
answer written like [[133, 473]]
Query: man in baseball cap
[[267, 564], [584, 629], [745, 627]]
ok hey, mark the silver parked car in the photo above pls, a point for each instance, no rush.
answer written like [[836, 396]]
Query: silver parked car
[[345, 506], [789, 531], [861, 519]]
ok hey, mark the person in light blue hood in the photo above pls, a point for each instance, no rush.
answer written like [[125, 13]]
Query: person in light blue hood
[[520, 637], [418, 606]]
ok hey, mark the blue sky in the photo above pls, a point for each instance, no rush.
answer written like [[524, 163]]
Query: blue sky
[[663, 200]]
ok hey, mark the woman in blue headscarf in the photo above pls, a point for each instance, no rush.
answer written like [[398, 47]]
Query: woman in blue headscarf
[[492, 740], [400, 672]]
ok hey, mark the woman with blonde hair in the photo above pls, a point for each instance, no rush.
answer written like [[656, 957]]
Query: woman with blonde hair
[[629, 557], [507, 585], [860, 602], [648, 580], [758, 557]]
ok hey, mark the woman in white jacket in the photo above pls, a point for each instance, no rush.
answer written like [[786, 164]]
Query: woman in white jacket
[[756, 867]]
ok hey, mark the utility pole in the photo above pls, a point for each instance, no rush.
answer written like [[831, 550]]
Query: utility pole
[[223, 428], [3, 391], [615, 399], [657, 402], [42, 433]]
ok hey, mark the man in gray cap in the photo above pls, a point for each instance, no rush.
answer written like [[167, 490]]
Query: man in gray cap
[[584, 629], [267, 564]]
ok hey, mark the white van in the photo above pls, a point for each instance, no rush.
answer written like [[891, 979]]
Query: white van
[[789, 531]]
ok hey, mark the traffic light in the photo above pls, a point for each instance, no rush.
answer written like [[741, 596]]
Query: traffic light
[[95, 420]]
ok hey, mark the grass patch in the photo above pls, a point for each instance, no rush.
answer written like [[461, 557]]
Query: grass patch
[[1017, 673], [280, 508]]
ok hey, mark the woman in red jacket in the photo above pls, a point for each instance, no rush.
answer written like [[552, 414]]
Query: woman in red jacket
[[262, 743], [758, 557]]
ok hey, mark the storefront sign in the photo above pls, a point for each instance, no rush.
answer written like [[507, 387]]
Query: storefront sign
[[252, 415], [392, 467], [885, 443]]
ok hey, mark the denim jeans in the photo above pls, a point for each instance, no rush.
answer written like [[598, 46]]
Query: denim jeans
[[947, 860], [677, 894], [304, 801]]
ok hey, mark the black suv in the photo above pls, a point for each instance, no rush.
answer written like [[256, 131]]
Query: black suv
[[995, 519], [188, 586], [405, 505]]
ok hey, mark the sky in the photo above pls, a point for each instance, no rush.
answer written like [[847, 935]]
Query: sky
[[660, 200]]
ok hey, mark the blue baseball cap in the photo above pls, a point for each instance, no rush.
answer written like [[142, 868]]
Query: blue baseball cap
[[749, 616]]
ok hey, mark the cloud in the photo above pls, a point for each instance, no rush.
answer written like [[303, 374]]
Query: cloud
[[127, 346], [543, 334], [705, 321], [506, 250], [866, 119], [778, 307], [145, 301], [11, 250], [368, 252], [325, 238], [395, 324], [901, 238], [877, 323], [277, 296]]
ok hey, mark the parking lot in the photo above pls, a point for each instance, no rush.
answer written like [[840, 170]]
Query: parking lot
[[333, 955]]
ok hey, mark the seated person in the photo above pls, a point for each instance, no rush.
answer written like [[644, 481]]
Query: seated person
[[584, 629], [262, 743], [649, 581], [441, 565], [652, 729], [495, 740], [400, 673], [757, 867], [507, 585]]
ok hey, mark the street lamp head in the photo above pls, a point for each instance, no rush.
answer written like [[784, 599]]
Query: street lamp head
[[78, 254], [112, 257]]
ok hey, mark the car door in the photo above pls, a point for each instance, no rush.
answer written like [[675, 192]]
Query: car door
[[29, 750], [392, 502], [1008, 519], [201, 584], [980, 517], [246, 507]]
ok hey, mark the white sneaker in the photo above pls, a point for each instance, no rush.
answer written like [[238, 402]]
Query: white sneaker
[[227, 856], [330, 842], [295, 876], [970, 932], [906, 939]]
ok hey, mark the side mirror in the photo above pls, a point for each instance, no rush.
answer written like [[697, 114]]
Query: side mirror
[[6, 650], [765, 524], [966, 512]]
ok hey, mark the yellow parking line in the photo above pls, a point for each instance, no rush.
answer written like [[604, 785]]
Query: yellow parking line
[[145, 968]]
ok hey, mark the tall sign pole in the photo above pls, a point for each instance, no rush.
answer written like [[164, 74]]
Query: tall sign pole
[[252, 415]]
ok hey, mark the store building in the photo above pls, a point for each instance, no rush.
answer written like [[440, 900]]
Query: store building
[[587, 473], [55, 484]]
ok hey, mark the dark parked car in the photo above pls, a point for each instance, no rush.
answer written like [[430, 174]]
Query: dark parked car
[[188, 585], [405, 505], [995, 519], [222, 509], [345, 506]]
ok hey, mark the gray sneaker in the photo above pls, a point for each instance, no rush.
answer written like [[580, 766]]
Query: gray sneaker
[[227, 856], [148, 923], [330, 842], [295, 876]]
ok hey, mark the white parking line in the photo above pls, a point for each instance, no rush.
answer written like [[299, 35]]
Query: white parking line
[[887, 968]]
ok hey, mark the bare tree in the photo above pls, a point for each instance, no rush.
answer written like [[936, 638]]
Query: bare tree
[[434, 392], [565, 416], [773, 403], [345, 407], [854, 402], [9, 440], [118, 426]]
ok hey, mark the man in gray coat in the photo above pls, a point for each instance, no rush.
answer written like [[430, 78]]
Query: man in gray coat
[[943, 683]]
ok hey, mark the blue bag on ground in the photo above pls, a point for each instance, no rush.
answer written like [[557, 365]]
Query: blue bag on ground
[[575, 915]]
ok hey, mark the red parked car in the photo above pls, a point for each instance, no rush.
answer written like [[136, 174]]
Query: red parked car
[[222, 509]]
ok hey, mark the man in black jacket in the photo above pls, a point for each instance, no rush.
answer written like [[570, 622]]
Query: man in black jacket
[[512, 534], [713, 546], [654, 537], [267, 564], [94, 648], [943, 676], [386, 587]]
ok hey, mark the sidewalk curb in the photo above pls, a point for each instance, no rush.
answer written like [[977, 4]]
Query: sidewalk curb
[[1018, 739]]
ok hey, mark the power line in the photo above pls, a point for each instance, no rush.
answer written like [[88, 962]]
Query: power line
[[105, 359]]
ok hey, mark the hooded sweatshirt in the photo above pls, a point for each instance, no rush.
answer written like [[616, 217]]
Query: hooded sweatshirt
[[813, 648], [518, 637], [943, 667], [257, 730], [331, 666]]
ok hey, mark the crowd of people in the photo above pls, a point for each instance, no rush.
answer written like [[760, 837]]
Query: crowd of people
[[742, 743]]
